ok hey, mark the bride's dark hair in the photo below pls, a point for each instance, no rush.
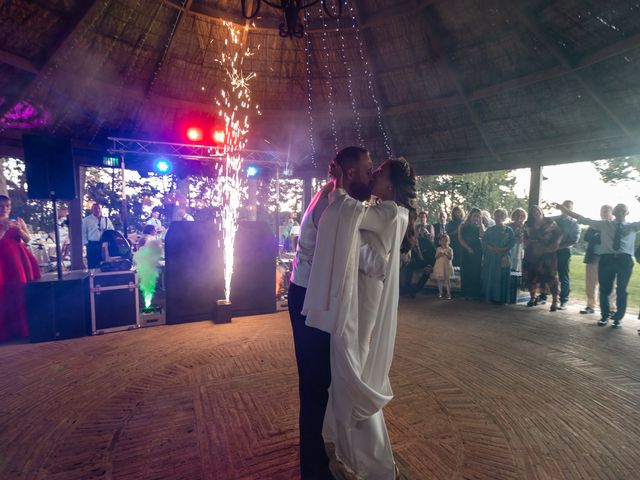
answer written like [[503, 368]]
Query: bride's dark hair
[[403, 180]]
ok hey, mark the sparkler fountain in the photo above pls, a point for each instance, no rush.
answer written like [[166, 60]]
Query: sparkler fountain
[[235, 106]]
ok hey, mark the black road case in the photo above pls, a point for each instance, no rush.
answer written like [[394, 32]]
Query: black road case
[[114, 301]]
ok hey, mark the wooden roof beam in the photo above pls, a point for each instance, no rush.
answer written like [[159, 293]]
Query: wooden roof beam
[[532, 24], [168, 46], [18, 62], [431, 32], [81, 14]]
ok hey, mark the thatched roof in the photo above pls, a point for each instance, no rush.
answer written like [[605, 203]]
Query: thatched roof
[[461, 84]]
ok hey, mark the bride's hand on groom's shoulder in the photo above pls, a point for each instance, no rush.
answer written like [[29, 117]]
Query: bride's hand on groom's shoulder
[[327, 189]]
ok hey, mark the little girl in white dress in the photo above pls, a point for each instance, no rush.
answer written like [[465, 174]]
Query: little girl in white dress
[[443, 268]]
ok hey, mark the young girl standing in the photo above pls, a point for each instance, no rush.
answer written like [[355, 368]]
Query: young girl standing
[[443, 268]]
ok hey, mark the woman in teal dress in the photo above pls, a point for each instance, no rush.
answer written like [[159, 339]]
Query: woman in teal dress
[[496, 268], [470, 234]]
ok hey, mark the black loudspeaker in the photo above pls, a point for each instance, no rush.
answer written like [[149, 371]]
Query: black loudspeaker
[[49, 167], [59, 309], [253, 285], [194, 271]]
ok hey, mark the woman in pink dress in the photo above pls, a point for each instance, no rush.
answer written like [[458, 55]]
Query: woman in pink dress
[[17, 267]]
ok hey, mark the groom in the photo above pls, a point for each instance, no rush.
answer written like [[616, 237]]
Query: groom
[[311, 344]]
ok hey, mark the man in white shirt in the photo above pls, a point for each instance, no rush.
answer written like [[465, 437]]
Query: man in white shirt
[[92, 228], [312, 346], [617, 240], [155, 221]]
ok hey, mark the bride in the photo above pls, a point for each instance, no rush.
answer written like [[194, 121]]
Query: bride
[[353, 295]]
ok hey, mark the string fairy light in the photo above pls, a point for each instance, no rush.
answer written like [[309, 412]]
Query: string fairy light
[[369, 76], [330, 100], [235, 106], [356, 113], [307, 48]]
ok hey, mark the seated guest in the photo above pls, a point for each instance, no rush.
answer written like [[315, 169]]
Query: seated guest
[[423, 257], [592, 259], [617, 240], [496, 263], [17, 267], [518, 217], [540, 263]]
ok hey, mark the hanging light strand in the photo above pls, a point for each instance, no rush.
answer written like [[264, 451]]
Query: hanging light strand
[[369, 77], [307, 48], [114, 41], [357, 123], [330, 100]]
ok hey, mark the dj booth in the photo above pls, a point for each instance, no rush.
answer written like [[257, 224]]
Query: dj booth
[[93, 302]]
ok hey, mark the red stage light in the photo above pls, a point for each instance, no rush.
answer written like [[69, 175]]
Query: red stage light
[[194, 134], [218, 136]]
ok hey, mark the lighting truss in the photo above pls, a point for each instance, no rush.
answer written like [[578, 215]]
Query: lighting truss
[[125, 146]]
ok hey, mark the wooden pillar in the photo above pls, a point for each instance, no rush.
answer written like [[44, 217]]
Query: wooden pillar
[[76, 211], [535, 185]]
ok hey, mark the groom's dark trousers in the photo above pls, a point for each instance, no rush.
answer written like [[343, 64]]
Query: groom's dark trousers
[[314, 377]]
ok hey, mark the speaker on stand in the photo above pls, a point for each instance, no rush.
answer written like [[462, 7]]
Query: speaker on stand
[[50, 175]]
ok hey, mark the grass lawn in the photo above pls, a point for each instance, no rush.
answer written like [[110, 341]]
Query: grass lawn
[[577, 284]]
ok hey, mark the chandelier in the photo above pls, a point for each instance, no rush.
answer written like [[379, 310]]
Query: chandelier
[[292, 26]]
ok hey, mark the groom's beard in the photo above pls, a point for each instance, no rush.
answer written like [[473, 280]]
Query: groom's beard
[[360, 191]]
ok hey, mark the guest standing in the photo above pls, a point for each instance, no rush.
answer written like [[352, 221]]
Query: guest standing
[[440, 228], [518, 217], [182, 216], [496, 264], [592, 260], [443, 268], [570, 235], [17, 267], [457, 215], [154, 220], [616, 258], [92, 228], [423, 227], [540, 263], [469, 234]]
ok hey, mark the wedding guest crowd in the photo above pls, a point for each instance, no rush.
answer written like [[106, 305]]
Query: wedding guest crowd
[[496, 256]]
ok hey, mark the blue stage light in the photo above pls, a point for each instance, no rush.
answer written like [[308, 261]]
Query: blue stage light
[[252, 171], [162, 166]]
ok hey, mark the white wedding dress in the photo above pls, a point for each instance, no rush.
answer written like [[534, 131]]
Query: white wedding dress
[[353, 295]]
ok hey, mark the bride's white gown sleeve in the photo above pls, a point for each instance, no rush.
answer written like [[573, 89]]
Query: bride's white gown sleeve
[[353, 295]]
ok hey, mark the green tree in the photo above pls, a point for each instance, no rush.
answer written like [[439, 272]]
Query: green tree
[[616, 170], [486, 190]]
